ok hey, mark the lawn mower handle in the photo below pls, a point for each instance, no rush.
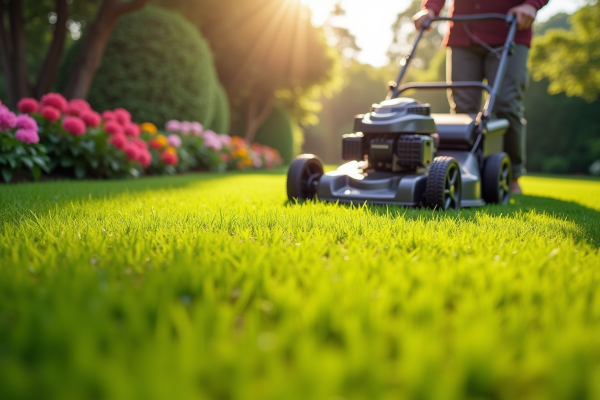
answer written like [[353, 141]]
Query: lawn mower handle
[[510, 19]]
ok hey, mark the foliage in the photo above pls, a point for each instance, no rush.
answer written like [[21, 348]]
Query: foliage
[[222, 113], [277, 132], [212, 287], [155, 73], [571, 59], [265, 48], [20, 148]]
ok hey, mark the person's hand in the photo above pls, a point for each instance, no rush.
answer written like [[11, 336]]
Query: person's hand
[[420, 17], [525, 14]]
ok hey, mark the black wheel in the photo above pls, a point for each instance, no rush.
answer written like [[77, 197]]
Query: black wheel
[[303, 175], [496, 178], [443, 187]]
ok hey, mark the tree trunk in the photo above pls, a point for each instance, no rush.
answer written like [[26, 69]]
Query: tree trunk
[[49, 69], [91, 55], [6, 57], [257, 112], [19, 55]]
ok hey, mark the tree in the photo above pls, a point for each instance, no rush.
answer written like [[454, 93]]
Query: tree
[[266, 51], [405, 35], [17, 17], [570, 59]]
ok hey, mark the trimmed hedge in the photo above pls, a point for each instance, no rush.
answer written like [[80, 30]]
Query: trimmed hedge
[[222, 114], [278, 133], [157, 65]]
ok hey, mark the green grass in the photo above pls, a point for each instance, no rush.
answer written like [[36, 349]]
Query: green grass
[[213, 287]]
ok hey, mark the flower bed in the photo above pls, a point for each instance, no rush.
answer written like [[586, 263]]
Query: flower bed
[[68, 138]]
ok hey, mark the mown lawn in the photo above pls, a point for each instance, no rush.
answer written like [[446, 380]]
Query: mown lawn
[[213, 287]]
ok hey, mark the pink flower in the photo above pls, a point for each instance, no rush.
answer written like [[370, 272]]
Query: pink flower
[[197, 128], [27, 136], [113, 128], [145, 159], [28, 105], [91, 118], [74, 125], [174, 140], [257, 162], [140, 143], [77, 107], [24, 121], [8, 120], [108, 115], [173, 126], [224, 157], [55, 100], [50, 113], [131, 130], [225, 139], [212, 142], [186, 128], [132, 152], [122, 116], [119, 141]]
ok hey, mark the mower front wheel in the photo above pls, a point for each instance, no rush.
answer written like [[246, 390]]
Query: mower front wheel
[[497, 179], [303, 176], [443, 188]]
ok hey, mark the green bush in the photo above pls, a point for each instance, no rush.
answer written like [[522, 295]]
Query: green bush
[[222, 113], [156, 65], [278, 133], [555, 165]]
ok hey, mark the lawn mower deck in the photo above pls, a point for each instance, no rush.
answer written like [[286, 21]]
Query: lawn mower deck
[[402, 154]]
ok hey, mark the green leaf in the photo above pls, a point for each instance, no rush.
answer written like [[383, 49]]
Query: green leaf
[[27, 161], [94, 163], [79, 171], [66, 162], [54, 139], [7, 174], [37, 172]]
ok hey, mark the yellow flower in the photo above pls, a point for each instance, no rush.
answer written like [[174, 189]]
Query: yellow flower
[[162, 140], [149, 127], [171, 149]]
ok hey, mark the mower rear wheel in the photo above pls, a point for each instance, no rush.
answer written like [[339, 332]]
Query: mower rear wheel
[[303, 175], [443, 188], [497, 179]]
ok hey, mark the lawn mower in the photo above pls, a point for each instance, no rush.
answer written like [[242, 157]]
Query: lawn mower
[[402, 154]]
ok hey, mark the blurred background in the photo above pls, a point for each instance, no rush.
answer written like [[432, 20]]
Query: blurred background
[[290, 74]]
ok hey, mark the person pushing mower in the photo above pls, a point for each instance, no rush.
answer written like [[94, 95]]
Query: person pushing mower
[[473, 55]]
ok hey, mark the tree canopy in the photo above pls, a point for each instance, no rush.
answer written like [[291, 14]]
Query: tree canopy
[[570, 59]]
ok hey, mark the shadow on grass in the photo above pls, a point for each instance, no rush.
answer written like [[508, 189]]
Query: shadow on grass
[[587, 219]]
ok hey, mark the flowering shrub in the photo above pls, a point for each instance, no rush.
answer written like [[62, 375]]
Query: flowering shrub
[[19, 144], [68, 137]]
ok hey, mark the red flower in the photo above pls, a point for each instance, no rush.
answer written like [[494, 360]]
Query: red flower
[[113, 128], [169, 158], [91, 118], [108, 115], [224, 157], [52, 114], [122, 116], [77, 107], [145, 159], [140, 143], [74, 125], [132, 152], [28, 105], [155, 144], [119, 141], [55, 100], [131, 129]]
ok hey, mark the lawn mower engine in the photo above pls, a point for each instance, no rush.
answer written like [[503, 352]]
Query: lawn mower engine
[[395, 136]]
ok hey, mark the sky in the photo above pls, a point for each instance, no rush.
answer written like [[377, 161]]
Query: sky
[[371, 21]]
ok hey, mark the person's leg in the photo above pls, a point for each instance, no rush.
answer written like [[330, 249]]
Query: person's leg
[[509, 105], [465, 64]]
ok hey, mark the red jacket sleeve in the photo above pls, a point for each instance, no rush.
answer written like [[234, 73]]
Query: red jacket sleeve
[[437, 5], [536, 3]]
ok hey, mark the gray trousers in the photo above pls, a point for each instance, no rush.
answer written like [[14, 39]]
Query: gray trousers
[[475, 63]]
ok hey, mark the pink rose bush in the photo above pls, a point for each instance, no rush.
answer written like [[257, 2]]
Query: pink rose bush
[[69, 137]]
